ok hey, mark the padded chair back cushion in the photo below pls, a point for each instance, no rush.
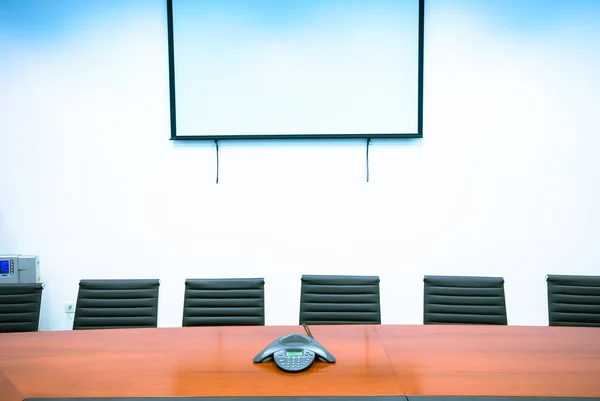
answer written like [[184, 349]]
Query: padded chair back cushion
[[116, 304], [340, 300], [20, 307], [464, 300], [224, 302], [573, 300]]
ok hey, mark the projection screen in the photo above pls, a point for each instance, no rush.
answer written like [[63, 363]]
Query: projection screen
[[295, 68]]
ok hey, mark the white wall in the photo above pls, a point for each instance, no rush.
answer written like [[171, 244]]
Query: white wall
[[505, 181]]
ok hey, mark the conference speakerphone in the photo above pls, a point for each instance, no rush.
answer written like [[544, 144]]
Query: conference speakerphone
[[294, 352]]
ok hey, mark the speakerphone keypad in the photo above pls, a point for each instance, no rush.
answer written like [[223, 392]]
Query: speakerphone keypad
[[294, 363]]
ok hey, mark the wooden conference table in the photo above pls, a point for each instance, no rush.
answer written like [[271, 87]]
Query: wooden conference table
[[386, 360]]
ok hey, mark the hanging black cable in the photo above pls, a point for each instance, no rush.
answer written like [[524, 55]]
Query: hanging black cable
[[368, 143], [217, 148]]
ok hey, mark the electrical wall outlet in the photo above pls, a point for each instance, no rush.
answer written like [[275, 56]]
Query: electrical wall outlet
[[69, 308]]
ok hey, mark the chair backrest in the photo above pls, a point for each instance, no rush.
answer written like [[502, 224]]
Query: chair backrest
[[340, 300], [573, 300], [224, 302], [464, 300], [116, 304], [20, 307]]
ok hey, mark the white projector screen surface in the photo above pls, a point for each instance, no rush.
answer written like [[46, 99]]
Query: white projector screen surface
[[294, 68]]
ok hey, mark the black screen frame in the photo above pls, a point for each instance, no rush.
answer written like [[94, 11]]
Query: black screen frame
[[173, 105]]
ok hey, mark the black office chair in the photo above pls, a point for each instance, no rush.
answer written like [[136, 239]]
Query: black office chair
[[464, 300], [224, 302], [20, 307], [573, 300], [340, 300], [116, 304]]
